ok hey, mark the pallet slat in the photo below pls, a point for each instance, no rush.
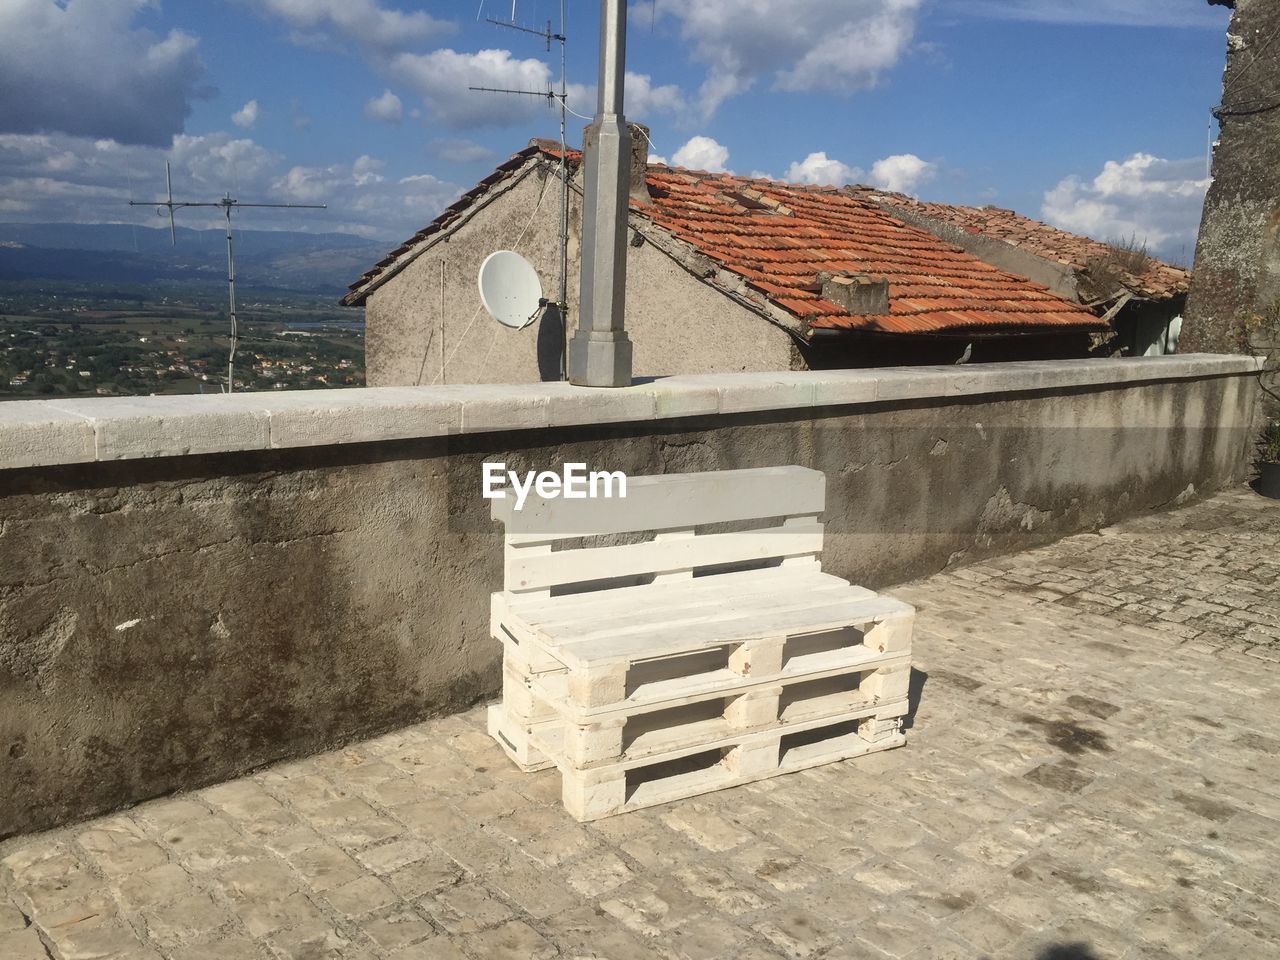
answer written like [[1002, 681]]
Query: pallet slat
[[794, 619], [526, 570], [648, 596], [668, 502], [631, 615]]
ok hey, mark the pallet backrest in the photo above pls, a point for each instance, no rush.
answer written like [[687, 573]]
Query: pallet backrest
[[545, 553]]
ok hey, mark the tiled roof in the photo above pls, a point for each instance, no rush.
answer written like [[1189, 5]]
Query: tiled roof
[[1159, 281], [778, 237]]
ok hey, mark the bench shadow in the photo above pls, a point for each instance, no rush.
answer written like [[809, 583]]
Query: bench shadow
[[1068, 951], [915, 689]]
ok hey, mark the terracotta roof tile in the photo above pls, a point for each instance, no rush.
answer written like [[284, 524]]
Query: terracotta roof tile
[[789, 233], [1158, 281]]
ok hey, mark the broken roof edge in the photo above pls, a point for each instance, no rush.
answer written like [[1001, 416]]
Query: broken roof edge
[[970, 221]]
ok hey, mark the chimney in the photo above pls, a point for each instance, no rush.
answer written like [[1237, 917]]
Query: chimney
[[638, 187], [856, 292]]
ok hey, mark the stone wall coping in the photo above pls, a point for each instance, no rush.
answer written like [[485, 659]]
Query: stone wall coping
[[36, 433]]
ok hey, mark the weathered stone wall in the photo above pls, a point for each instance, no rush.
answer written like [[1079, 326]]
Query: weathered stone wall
[[1237, 265], [174, 620]]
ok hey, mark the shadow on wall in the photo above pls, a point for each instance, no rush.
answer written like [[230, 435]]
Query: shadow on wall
[[551, 337]]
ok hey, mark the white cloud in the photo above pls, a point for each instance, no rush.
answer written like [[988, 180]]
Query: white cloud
[[821, 170], [643, 99], [80, 67], [220, 162], [1134, 13], [77, 179], [442, 78], [66, 178], [386, 108], [460, 150], [902, 173], [836, 45], [654, 158], [1156, 201], [246, 116], [377, 29], [363, 200], [703, 153]]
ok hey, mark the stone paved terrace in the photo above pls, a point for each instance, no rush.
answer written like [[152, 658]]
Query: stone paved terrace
[[1091, 773]]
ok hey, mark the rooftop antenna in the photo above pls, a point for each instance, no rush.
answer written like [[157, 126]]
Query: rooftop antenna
[[551, 96], [226, 204]]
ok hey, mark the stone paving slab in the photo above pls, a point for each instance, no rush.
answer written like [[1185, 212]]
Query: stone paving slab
[[1080, 782], [1208, 574]]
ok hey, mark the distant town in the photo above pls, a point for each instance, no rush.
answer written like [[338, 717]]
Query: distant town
[[88, 339]]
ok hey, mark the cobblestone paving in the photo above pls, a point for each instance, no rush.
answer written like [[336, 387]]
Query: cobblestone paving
[[1209, 573], [1076, 785]]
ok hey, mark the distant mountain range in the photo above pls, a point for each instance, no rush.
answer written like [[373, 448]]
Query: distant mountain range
[[321, 263]]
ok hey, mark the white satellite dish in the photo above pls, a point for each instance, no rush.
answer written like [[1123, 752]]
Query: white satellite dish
[[510, 289]]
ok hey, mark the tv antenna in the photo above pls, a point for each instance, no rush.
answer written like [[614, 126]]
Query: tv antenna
[[561, 97], [226, 204]]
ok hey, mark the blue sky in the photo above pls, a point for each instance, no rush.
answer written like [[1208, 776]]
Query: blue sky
[[1091, 114]]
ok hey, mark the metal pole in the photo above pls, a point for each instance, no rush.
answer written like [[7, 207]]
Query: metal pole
[[442, 380], [564, 204], [231, 296], [600, 354]]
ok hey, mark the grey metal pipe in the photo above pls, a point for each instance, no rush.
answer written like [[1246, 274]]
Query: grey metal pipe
[[600, 353], [613, 56]]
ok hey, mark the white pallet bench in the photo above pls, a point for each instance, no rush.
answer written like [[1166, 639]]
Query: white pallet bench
[[717, 637]]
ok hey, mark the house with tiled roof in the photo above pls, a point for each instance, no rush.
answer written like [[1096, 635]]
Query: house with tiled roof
[[724, 274], [1141, 297]]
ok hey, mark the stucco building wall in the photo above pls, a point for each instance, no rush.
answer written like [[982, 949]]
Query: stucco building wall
[[678, 324], [176, 618]]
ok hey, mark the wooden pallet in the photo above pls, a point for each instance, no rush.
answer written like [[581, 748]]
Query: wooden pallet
[[702, 763], [633, 652], [595, 792], [655, 683], [653, 734], [656, 670]]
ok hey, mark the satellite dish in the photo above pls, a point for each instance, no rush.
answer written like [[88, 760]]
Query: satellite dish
[[510, 289]]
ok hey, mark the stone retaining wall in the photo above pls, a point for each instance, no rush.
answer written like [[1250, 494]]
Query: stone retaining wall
[[192, 587]]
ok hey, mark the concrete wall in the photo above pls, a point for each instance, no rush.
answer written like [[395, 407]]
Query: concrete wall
[[1237, 265], [679, 324], [192, 587]]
